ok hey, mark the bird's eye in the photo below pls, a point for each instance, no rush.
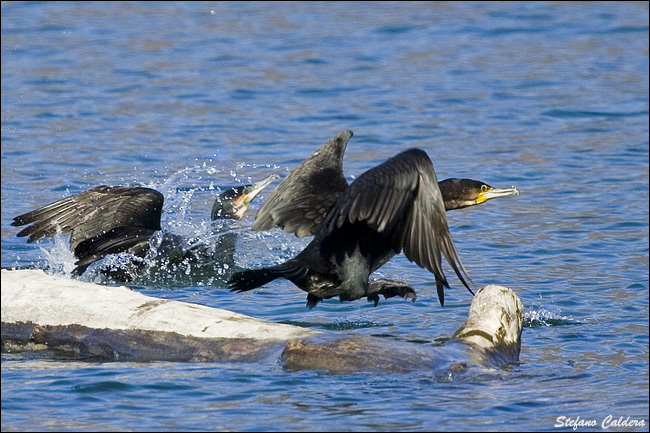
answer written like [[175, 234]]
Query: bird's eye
[[484, 188]]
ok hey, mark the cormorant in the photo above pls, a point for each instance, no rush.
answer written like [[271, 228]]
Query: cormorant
[[303, 199], [113, 219], [396, 206]]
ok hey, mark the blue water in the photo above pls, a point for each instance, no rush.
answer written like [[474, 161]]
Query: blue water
[[192, 97]]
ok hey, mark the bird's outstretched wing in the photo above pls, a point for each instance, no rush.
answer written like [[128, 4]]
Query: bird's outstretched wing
[[91, 213], [306, 195]]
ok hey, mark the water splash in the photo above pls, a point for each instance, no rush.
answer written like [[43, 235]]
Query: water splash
[[59, 258], [542, 317]]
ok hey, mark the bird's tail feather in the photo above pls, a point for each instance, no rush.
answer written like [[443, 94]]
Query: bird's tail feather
[[252, 278]]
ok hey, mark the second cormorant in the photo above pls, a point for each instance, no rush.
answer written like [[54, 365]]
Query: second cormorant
[[109, 220]]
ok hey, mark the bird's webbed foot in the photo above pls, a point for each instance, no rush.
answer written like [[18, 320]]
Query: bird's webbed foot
[[389, 288]]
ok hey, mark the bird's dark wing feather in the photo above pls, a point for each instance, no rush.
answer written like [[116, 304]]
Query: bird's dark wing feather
[[114, 241], [306, 195], [93, 212], [380, 196], [426, 234]]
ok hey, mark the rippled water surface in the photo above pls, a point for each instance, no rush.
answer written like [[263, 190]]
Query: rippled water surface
[[192, 97]]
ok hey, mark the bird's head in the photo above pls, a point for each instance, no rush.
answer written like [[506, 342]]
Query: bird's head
[[460, 193], [233, 202]]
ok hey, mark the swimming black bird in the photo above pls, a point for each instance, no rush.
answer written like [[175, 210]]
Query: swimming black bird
[[396, 206], [303, 199], [113, 219]]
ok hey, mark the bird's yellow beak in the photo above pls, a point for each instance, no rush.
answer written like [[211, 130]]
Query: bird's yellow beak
[[488, 193]]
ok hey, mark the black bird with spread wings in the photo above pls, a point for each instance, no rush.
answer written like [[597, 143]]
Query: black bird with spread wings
[[396, 206]]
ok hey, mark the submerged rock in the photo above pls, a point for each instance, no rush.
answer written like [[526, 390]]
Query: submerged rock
[[116, 323], [89, 321], [490, 337]]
